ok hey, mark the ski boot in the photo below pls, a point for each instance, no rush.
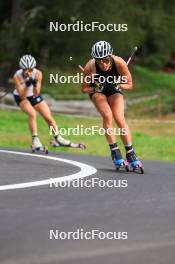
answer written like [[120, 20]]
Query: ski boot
[[37, 146], [118, 161], [134, 162], [60, 141]]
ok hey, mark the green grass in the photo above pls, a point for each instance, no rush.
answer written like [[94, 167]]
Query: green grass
[[60, 91], [152, 141], [146, 82]]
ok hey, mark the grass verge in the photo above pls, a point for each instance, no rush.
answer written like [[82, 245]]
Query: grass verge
[[152, 140]]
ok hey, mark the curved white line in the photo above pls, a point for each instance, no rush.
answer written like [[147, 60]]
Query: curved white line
[[85, 171]]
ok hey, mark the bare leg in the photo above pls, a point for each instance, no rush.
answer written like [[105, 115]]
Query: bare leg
[[101, 103], [44, 110], [27, 108], [116, 103]]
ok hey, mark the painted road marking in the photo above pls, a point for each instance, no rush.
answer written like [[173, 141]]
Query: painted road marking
[[85, 171]]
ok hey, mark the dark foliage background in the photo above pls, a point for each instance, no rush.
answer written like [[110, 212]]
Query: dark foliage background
[[24, 28]]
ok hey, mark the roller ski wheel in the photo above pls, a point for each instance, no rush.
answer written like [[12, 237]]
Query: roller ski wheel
[[121, 165], [135, 164], [138, 167], [54, 143], [40, 150]]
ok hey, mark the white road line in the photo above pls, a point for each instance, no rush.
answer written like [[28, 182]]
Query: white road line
[[85, 171]]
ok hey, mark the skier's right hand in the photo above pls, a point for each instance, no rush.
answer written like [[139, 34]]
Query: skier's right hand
[[30, 81], [99, 87]]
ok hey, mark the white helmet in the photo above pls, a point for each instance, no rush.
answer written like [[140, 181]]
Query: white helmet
[[27, 62], [101, 49]]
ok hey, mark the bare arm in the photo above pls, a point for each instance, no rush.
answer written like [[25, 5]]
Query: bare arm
[[20, 87], [86, 88], [124, 72], [37, 88]]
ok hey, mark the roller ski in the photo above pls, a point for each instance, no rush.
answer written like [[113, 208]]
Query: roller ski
[[38, 147], [61, 142], [135, 164], [119, 163]]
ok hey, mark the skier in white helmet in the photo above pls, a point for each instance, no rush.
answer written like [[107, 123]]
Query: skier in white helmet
[[28, 80], [107, 96]]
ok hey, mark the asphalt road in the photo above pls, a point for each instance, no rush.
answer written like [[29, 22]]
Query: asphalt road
[[139, 210]]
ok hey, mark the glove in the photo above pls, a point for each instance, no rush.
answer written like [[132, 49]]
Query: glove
[[31, 81], [99, 87], [117, 87]]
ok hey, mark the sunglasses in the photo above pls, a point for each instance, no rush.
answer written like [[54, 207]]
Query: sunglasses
[[28, 70], [104, 60]]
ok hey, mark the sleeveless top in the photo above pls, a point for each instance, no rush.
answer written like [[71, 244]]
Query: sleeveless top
[[109, 76], [19, 73]]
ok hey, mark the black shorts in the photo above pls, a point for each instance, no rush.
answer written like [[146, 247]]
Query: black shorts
[[108, 92], [33, 100]]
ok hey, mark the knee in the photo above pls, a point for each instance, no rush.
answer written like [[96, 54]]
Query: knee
[[120, 121], [107, 117], [32, 115]]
